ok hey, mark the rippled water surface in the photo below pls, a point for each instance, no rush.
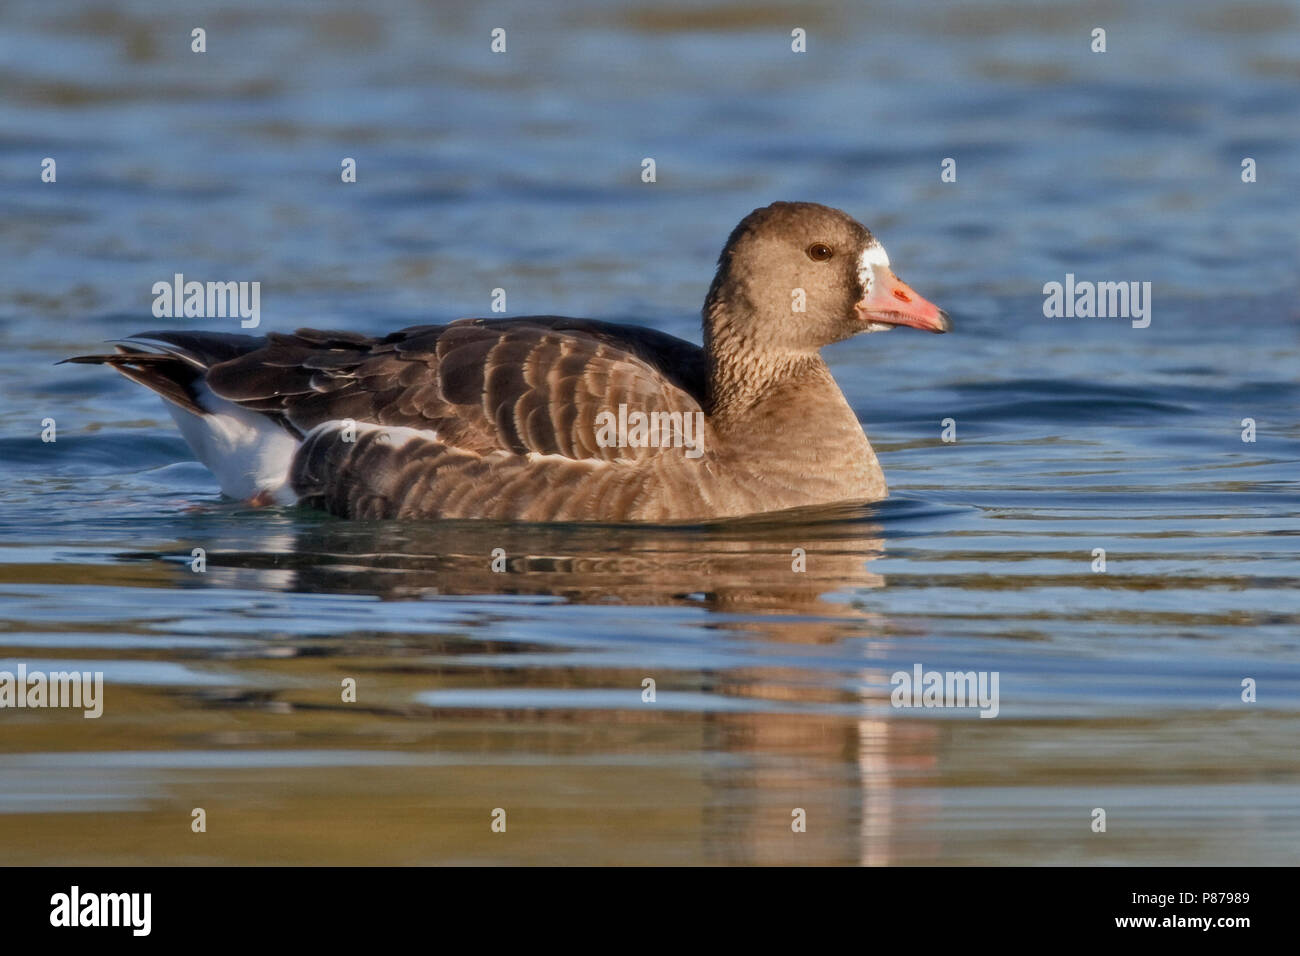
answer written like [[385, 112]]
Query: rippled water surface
[[522, 690]]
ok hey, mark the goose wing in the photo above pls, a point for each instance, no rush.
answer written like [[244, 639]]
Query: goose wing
[[522, 386]]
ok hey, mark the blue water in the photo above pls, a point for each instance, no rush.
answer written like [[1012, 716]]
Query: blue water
[[522, 690]]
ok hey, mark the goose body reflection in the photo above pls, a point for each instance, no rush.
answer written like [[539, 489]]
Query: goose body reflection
[[793, 562]]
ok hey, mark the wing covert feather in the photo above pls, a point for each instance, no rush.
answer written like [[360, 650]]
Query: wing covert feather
[[519, 386]]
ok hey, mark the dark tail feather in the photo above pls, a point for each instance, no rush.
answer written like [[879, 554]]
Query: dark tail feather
[[181, 359], [171, 377], [204, 349]]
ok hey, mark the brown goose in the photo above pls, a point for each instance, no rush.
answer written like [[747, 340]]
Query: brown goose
[[553, 419]]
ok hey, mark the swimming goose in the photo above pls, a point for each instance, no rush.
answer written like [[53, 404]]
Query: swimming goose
[[545, 418]]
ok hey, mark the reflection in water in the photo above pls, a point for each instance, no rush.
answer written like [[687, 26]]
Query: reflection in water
[[777, 736], [780, 564], [523, 687]]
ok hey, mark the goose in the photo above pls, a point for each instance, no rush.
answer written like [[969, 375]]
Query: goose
[[547, 418]]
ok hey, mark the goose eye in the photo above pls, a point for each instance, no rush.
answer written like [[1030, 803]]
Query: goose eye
[[819, 252]]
